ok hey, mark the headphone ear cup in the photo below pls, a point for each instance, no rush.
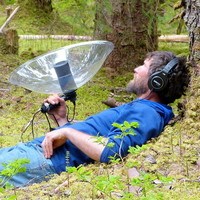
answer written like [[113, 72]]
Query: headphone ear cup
[[157, 81]]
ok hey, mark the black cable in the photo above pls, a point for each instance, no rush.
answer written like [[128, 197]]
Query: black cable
[[74, 109], [55, 120], [67, 116], [50, 128], [30, 123]]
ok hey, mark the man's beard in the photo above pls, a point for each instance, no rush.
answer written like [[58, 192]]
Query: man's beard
[[138, 88]]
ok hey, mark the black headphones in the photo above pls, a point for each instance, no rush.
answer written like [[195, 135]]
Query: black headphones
[[159, 79]]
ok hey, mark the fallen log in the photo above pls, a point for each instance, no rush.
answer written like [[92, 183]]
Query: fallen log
[[163, 38], [174, 38], [56, 37]]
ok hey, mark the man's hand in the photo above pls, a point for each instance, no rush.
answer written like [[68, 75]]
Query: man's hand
[[53, 140], [86, 143], [58, 112]]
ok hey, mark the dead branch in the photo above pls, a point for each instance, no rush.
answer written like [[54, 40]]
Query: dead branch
[[9, 19]]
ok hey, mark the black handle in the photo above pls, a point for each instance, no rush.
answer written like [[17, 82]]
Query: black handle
[[46, 107]]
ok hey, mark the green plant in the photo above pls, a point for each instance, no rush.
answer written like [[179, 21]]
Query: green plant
[[137, 149], [81, 172], [146, 181], [126, 129], [108, 184], [10, 170]]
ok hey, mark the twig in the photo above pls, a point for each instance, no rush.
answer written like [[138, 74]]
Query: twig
[[1, 89], [65, 183]]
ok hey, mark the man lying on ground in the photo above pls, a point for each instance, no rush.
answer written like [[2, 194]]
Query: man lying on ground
[[160, 80]]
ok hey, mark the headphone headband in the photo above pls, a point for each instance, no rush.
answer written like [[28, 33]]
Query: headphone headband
[[170, 65]]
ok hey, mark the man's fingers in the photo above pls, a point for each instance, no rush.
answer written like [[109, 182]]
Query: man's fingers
[[53, 99], [47, 146], [51, 141]]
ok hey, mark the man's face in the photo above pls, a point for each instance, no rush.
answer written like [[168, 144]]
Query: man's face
[[139, 84]]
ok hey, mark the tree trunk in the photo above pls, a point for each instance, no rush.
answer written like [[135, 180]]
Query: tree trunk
[[192, 20], [131, 26], [190, 126], [9, 42], [2, 2]]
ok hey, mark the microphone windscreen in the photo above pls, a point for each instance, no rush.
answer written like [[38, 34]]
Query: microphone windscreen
[[65, 77]]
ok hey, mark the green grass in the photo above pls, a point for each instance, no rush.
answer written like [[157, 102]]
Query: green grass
[[43, 45], [180, 49], [2, 15]]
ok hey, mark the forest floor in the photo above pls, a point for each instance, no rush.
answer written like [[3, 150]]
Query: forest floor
[[167, 167]]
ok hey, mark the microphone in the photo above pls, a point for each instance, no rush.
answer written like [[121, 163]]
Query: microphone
[[65, 77]]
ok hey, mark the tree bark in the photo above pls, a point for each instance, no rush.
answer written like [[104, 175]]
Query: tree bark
[[131, 26], [9, 42], [2, 2], [192, 20]]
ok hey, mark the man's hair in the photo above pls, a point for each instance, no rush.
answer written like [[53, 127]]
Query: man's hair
[[179, 76]]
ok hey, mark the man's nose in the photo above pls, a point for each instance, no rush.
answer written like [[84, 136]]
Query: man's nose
[[136, 70]]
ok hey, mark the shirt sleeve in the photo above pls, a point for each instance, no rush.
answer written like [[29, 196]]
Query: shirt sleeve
[[150, 125]]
